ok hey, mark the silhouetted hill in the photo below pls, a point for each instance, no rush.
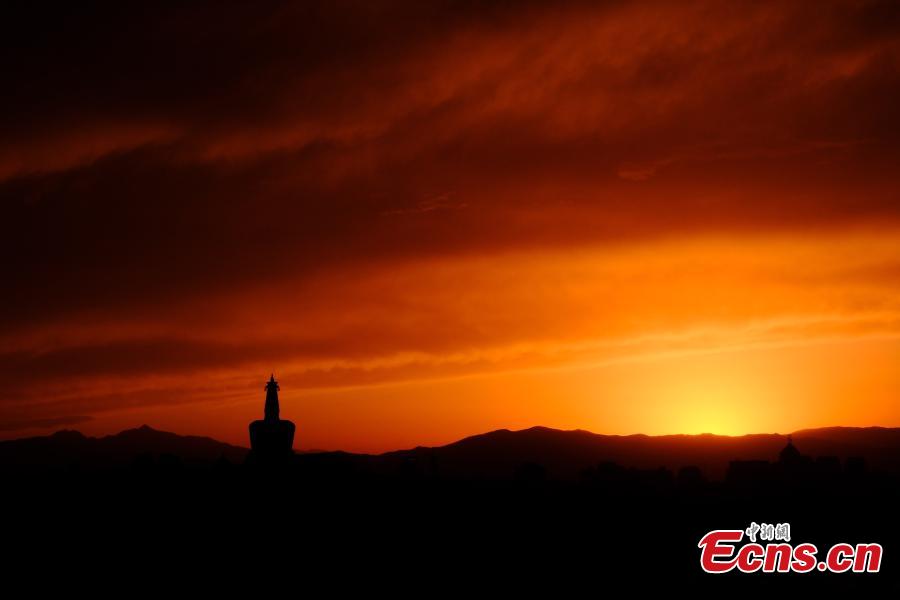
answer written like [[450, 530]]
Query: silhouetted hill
[[73, 449], [564, 454], [494, 455]]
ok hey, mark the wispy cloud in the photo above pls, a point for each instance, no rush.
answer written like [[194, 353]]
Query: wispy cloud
[[431, 190]]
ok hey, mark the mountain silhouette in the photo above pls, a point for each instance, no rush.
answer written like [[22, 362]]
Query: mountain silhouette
[[68, 448], [493, 455], [565, 454]]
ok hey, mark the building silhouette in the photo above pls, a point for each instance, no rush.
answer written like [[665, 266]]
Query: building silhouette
[[792, 467], [789, 454], [272, 438]]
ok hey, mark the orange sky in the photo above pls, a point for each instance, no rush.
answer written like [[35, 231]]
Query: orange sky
[[435, 219]]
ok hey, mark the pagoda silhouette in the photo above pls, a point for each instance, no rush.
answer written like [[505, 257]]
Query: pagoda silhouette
[[272, 438]]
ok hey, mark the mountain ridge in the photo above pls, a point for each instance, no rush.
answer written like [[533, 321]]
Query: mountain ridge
[[492, 454], [69, 447]]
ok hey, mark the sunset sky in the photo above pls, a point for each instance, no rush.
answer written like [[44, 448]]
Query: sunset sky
[[434, 219]]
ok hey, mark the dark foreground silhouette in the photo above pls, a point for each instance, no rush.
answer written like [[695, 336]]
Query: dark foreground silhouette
[[503, 511]]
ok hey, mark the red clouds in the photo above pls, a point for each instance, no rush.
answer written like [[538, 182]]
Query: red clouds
[[342, 188]]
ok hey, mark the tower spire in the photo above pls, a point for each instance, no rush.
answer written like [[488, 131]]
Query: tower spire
[[272, 409]]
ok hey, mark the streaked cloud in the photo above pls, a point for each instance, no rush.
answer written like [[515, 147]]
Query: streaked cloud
[[363, 195]]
